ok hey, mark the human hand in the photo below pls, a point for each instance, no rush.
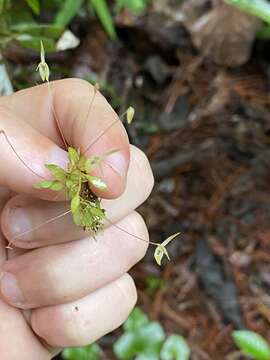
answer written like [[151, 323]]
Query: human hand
[[56, 291]]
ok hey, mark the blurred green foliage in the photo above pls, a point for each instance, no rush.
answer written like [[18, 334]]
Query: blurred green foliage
[[23, 21], [89, 352], [142, 340], [153, 284]]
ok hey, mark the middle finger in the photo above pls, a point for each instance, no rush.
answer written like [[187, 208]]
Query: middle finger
[[65, 272]]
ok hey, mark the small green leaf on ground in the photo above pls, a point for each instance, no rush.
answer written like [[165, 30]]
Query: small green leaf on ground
[[252, 344], [142, 338], [175, 348], [89, 352]]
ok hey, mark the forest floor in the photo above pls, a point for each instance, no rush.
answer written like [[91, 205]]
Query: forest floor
[[206, 130]]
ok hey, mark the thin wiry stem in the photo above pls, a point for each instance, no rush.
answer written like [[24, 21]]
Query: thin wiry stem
[[40, 225], [130, 234], [2, 132], [56, 117], [100, 136]]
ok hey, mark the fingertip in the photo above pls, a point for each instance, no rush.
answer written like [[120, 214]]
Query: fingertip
[[113, 172]]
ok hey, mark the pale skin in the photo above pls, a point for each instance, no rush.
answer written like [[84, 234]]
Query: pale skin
[[58, 287]]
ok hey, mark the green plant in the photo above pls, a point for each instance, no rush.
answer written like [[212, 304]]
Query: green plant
[[18, 23], [154, 283], [144, 340], [89, 352], [175, 348], [85, 206], [252, 344], [70, 8], [20, 20]]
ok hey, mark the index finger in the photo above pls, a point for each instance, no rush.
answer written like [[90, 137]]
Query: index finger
[[94, 128]]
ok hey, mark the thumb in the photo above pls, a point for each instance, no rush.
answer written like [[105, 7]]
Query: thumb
[[23, 155]]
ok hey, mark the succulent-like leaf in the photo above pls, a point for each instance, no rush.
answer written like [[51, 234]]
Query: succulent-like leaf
[[89, 352], [175, 348], [44, 184], [97, 182], [56, 186], [57, 172], [73, 155], [252, 344], [88, 165], [75, 203]]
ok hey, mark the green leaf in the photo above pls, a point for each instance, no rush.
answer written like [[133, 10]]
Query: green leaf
[[77, 218], [56, 186], [102, 10], [42, 30], [69, 9], [136, 320], [33, 42], [57, 172], [34, 5], [73, 155], [146, 343], [89, 352], [252, 344], [44, 184], [154, 283], [97, 182], [75, 203], [142, 338], [175, 348], [88, 165]]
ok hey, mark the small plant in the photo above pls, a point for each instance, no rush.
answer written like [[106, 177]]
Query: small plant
[[89, 352], [154, 283], [252, 344], [144, 340], [77, 180], [20, 20]]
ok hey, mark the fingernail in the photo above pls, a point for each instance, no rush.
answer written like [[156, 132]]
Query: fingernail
[[58, 157], [10, 289], [118, 163], [19, 222]]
